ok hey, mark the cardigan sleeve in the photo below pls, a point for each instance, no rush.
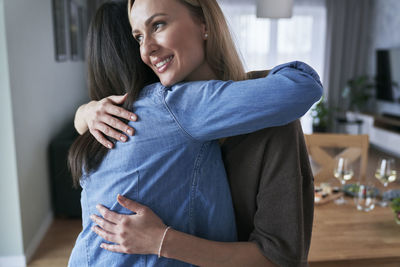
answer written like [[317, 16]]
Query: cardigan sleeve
[[285, 198]]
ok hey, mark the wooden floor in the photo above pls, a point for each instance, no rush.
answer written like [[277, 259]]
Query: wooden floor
[[56, 247]]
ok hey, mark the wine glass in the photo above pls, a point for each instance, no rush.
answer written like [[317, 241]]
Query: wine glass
[[365, 196], [386, 174], [343, 172]]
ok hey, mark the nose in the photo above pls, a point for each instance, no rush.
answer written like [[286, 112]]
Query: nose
[[149, 46]]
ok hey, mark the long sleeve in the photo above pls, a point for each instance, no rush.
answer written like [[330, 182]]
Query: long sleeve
[[273, 192], [214, 109]]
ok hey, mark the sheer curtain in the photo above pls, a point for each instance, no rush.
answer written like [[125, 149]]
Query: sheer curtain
[[348, 44], [265, 43]]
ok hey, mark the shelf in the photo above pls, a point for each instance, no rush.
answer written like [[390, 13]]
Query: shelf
[[387, 122], [383, 131]]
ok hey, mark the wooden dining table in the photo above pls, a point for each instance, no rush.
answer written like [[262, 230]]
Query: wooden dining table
[[344, 236]]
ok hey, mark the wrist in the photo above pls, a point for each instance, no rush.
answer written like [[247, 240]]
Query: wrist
[[80, 120], [162, 241], [171, 244]]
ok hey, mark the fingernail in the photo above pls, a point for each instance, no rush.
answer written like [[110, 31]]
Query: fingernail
[[121, 197], [130, 131], [133, 118], [97, 206], [92, 217], [123, 138], [109, 145]]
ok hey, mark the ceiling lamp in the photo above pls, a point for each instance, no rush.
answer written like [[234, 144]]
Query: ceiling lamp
[[274, 9]]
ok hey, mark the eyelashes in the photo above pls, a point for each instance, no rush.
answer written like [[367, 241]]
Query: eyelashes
[[138, 38], [158, 25], [155, 27]]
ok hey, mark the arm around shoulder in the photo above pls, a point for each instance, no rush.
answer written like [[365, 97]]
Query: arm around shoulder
[[208, 110]]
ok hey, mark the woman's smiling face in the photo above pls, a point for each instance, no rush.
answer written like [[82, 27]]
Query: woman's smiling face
[[172, 41]]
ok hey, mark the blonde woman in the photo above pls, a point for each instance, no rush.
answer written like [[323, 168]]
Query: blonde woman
[[173, 164]]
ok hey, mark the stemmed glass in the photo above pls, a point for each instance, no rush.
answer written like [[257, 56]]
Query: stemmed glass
[[386, 174], [343, 172]]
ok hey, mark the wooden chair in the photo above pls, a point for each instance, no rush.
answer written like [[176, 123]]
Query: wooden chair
[[355, 147]]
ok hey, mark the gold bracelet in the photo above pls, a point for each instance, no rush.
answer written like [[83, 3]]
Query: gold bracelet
[[162, 241]]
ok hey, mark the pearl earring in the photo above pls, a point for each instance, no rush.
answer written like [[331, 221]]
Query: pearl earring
[[206, 35]]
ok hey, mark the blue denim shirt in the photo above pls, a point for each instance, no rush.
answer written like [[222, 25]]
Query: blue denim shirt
[[173, 163]]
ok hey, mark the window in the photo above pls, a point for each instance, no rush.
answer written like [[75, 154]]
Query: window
[[265, 43]]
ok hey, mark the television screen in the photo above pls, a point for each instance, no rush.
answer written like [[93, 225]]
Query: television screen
[[388, 74]]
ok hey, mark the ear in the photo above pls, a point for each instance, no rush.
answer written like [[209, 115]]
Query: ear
[[204, 32]]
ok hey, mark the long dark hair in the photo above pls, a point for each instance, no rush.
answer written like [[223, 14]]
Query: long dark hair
[[114, 68]]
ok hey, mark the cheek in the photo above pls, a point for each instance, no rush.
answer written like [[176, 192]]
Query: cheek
[[192, 48], [196, 52]]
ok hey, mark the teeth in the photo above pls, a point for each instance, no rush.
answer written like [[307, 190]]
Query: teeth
[[162, 63]]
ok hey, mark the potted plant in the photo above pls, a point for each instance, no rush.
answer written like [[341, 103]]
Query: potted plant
[[357, 92], [320, 115], [396, 209]]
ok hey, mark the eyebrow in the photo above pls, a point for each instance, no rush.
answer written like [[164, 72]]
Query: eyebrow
[[148, 21]]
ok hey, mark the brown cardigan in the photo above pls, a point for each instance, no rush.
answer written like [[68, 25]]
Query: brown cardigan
[[273, 191]]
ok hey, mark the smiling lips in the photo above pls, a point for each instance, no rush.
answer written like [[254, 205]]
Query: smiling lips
[[162, 65]]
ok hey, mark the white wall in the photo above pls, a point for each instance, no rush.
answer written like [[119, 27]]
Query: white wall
[[384, 34], [10, 223], [385, 29], [44, 95]]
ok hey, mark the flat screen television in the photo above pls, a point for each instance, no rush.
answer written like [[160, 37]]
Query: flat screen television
[[388, 74]]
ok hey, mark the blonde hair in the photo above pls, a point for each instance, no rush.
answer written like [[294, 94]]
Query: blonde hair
[[221, 53]]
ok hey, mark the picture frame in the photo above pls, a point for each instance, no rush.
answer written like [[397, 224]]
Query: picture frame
[[73, 28], [77, 30], [60, 25], [70, 29]]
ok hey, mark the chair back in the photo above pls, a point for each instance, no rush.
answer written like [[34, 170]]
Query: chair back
[[354, 147]]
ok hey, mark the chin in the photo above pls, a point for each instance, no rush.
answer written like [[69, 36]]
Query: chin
[[168, 82]]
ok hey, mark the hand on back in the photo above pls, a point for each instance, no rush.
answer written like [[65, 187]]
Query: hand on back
[[103, 118], [140, 233]]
